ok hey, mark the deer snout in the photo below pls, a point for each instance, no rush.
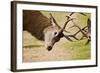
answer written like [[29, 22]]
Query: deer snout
[[49, 48]]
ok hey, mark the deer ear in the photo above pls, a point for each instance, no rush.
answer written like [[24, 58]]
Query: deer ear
[[52, 22]]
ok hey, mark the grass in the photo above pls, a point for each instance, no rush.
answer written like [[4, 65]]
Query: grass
[[81, 51]]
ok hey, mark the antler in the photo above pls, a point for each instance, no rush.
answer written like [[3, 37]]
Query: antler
[[66, 24], [89, 25], [63, 28], [74, 35], [69, 16], [68, 19], [83, 31], [86, 33], [54, 20], [83, 14]]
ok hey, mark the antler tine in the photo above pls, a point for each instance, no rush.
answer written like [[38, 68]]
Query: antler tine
[[74, 35], [81, 31], [69, 16], [51, 17], [66, 24], [68, 19], [67, 37], [71, 13], [88, 32], [88, 41], [88, 22], [89, 25], [83, 14]]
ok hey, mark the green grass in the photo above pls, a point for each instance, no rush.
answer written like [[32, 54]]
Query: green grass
[[81, 51]]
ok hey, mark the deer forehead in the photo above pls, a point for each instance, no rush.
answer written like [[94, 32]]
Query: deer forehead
[[51, 29]]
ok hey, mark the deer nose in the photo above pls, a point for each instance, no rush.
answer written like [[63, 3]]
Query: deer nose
[[49, 48]]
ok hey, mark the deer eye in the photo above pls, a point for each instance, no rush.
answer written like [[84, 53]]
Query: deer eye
[[55, 33]]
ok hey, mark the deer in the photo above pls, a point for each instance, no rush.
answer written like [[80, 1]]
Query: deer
[[45, 29]]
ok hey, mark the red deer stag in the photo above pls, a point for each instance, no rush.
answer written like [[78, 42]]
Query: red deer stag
[[43, 28]]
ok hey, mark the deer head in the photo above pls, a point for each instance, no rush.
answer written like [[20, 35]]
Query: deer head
[[54, 33]]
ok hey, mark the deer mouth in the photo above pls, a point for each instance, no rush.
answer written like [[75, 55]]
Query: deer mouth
[[49, 48]]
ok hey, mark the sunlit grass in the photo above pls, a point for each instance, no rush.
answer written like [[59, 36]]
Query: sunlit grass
[[81, 51]]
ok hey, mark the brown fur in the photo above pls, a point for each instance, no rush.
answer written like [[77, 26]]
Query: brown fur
[[35, 22]]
